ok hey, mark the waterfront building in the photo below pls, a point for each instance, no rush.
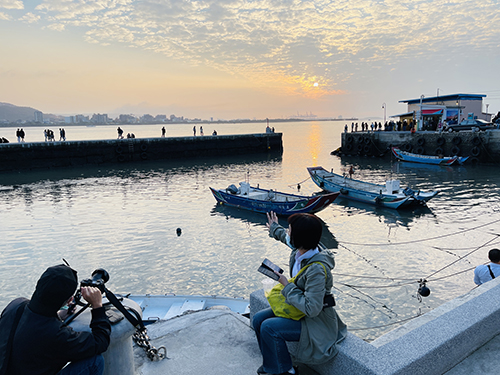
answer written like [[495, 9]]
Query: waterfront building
[[427, 112], [38, 116]]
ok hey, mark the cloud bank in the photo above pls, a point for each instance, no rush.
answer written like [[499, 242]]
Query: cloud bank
[[286, 45]]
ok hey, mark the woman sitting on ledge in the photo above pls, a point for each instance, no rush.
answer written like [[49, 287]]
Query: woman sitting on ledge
[[321, 329]]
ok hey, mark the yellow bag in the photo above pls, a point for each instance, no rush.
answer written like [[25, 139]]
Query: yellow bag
[[277, 300]]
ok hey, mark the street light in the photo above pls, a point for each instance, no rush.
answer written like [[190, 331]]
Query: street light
[[421, 119], [384, 107]]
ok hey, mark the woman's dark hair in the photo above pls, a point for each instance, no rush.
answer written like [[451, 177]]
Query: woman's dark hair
[[306, 231]]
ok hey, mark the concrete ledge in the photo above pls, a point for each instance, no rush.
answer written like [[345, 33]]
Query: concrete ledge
[[428, 345]]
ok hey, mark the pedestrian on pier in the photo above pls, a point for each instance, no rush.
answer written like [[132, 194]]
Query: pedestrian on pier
[[194, 131], [120, 133], [487, 272], [62, 134], [163, 131], [18, 135], [201, 130]]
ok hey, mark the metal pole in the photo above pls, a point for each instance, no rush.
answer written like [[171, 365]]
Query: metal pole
[[384, 107]]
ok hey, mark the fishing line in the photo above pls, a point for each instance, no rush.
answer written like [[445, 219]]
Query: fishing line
[[373, 306], [423, 239], [366, 260], [465, 256], [369, 277]]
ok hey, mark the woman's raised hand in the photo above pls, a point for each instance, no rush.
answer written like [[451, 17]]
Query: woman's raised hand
[[271, 218]]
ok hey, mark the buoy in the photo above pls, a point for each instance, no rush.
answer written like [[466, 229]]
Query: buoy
[[179, 231], [423, 290]]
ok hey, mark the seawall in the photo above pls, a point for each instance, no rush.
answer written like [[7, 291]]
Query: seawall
[[37, 155], [481, 146], [431, 344]]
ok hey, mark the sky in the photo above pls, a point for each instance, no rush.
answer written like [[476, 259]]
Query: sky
[[238, 59]]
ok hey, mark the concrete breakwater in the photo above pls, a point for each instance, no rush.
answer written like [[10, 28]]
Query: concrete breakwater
[[482, 146], [36, 155]]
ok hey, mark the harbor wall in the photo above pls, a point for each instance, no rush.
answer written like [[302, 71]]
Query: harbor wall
[[480, 146], [36, 155], [431, 344]]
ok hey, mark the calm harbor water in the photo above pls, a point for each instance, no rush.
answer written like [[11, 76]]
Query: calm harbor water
[[124, 218]]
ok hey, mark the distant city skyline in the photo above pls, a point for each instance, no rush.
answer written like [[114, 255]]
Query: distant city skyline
[[242, 59]]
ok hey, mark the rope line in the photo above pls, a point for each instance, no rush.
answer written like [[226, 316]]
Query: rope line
[[301, 182], [466, 255], [421, 240]]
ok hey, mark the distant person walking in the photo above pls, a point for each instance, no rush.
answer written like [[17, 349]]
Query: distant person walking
[[62, 134], [163, 132], [215, 132], [487, 272], [194, 131], [201, 130], [45, 134], [22, 134], [345, 128], [18, 135], [120, 133]]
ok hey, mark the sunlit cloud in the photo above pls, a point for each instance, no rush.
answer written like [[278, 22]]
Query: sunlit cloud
[[30, 18], [281, 44], [11, 4], [5, 17]]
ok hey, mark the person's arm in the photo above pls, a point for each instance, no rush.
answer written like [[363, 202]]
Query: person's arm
[[276, 231], [477, 280], [309, 300]]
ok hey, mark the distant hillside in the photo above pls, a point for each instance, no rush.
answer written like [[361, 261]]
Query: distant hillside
[[14, 113]]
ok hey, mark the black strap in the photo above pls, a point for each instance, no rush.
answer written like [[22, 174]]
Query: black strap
[[136, 321], [491, 272]]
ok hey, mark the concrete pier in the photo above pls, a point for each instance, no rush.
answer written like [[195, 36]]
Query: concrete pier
[[36, 155], [431, 344], [481, 146]]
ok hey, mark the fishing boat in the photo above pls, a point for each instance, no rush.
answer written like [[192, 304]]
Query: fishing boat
[[262, 200], [168, 306], [389, 195], [427, 159]]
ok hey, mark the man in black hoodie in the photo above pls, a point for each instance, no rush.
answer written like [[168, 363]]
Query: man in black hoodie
[[41, 344]]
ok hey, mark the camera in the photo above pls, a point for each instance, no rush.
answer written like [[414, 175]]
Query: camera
[[99, 277]]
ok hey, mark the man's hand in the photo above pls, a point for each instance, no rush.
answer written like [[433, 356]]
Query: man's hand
[[92, 295]]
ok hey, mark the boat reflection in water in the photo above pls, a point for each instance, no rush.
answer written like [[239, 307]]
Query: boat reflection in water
[[386, 215], [258, 219]]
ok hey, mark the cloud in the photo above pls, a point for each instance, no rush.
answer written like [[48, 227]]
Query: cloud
[[283, 44], [5, 17], [30, 18], [11, 4]]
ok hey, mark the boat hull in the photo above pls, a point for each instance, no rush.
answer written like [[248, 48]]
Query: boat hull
[[425, 159], [295, 203], [367, 192]]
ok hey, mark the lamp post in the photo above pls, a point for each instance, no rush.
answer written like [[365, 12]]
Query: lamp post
[[384, 107], [421, 117]]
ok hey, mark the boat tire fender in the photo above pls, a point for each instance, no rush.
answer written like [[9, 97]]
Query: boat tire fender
[[119, 150], [476, 141], [475, 151], [441, 141], [438, 151], [359, 147], [367, 149], [419, 150], [348, 147], [473, 161], [344, 191], [367, 140], [407, 147], [144, 147], [455, 151], [144, 156], [421, 141], [350, 139], [121, 158], [456, 140]]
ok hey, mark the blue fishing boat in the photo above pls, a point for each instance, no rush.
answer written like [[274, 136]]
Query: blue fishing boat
[[427, 159], [262, 200], [389, 195]]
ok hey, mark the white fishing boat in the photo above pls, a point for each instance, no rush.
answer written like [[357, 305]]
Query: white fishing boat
[[163, 307]]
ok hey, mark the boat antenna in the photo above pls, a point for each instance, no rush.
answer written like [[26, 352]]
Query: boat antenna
[[247, 179]]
